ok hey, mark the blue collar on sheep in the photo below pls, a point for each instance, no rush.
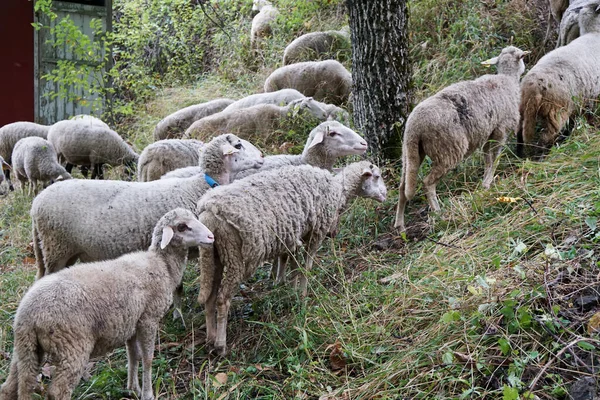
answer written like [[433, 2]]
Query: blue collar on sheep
[[211, 182]]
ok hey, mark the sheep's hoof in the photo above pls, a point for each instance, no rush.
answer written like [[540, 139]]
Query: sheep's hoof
[[218, 350], [135, 389], [177, 314]]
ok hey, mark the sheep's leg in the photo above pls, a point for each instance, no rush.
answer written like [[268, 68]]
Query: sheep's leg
[[69, 167], [313, 246], [401, 207], [210, 312], [225, 292], [554, 123], [177, 300], [7, 176], [133, 361], [281, 267], [430, 182], [146, 333], [491, 151], [69, 369], [84, 169]]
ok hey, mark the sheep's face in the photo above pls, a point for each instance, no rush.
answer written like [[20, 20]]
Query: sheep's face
[[240, 155], [373, 186], [337, 140], [257, 5], [186, 231], [308, 106], [509, 62], [589, 18]]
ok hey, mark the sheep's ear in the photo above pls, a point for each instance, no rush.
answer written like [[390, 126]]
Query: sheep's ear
[[367, 172], [166, 237], [491, 61], [229, 149], [526, 52], [316, 140]]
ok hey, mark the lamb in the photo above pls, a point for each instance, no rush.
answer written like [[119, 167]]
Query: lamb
[[91, 309], [266, 215], [450, 125], [279, 98], [9, 136], [327, 81], [99, 220], [259, 121], [261, 23], [167, 155], [317, 46], [561, 80], [326, 143], [174, 125], [80, 143], [35, 160]]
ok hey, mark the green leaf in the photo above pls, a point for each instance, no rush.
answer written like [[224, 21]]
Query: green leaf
[[586, 346], [592, 223], [504, 346], [448, 358], [450, 316], [510, 393]]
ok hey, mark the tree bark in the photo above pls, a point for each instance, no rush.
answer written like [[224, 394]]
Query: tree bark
[[381, 72]]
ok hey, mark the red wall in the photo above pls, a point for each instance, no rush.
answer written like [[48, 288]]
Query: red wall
[[16, 61]]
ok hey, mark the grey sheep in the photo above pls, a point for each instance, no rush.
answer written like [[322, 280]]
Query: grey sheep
[[315, 46], [79, 142], [328, 81], [561, 80], [167, 155], [9, 136], [174, 125], [450, 125], [90, 120], [90, 309], [569, 28], [98, 220], [259, 121], [261, 23], [266, 215], [35, 160], [279, 98]]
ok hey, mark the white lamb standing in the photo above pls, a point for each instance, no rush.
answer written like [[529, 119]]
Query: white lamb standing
[[261, 23], [90, 309], [267, 215], [450, 125], [35, 161]]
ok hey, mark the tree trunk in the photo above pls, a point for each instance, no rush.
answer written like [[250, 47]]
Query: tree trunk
[[381, 72]]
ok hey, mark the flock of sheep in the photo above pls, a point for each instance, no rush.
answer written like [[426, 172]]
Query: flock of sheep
[[202, 184]]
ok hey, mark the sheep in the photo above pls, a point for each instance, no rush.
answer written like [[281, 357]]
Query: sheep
[[79, 142], [99, 220], [34, 160], [315, 46], [10, 134], [258, 121], [327, 81], [261, 23], [167, 155], [560, 81], [569, 29], [90, 309], [268, 214], [3, 165], [279, 98], [89, 119], [174, 125], [450, 125]]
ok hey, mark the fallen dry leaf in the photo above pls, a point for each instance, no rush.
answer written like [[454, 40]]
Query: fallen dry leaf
[[594, 324], [221, 378], [336, 357], [29, 260]]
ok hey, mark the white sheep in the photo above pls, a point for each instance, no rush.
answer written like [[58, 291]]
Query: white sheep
[[266, 215], [569, 29], [259, 121], [79, 142], [261, 23], [279, 98], [450, 125], [561, 80], [90, 120], [174, 125], [35, 160], [167, 155], [10, 134], [328, 81], [90, 309], [315, 46]]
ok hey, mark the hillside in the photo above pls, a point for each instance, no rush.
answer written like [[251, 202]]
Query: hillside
[[490, 299]]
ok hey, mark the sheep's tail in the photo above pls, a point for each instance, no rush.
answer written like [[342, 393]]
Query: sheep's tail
[[37, 250], [28, 356], [208, 260], [530, 104], [411, 161]]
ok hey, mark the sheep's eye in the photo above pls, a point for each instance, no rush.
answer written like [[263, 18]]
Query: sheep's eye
[[182, 227], [238, 146], [332, 133]]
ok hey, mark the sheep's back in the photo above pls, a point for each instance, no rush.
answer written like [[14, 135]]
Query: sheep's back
[[10, 134]]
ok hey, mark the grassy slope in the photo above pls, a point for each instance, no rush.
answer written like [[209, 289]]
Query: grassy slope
[[474, 309]]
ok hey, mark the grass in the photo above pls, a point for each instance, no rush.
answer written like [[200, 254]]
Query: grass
[[483, 300]]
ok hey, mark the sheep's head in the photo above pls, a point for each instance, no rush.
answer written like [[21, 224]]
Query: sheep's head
[[257, 5], [336, 140], [373, 186], [509, 62], [307, 106], [179, 227], [589, 18], [226, 155]]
